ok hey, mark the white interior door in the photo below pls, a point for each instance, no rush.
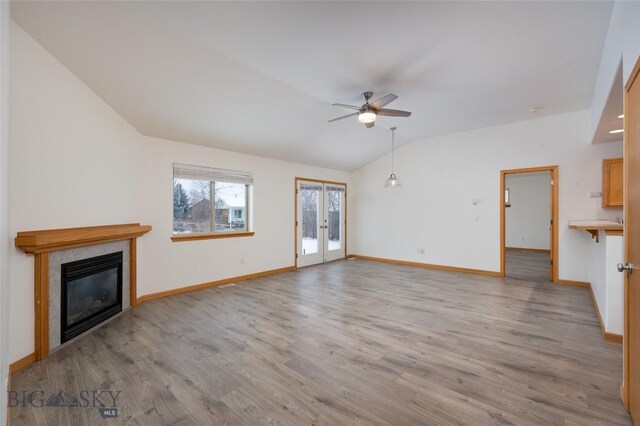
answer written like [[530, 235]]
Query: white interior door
[[320, 225]]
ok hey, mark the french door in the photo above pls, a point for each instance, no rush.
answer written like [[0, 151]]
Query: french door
[[320, 224]]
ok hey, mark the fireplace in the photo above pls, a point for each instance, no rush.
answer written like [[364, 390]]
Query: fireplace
[[91, 293]]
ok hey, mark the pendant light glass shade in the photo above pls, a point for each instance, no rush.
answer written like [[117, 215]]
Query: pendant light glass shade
[[392, 180]]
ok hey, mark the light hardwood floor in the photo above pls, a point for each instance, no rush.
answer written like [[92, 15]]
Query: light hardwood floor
[[526, 265], [350, 342]]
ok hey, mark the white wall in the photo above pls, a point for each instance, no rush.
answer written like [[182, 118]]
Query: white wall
[[527, 220], [598, 273], [442, 175], [622, 44], [4, 207], [614, 318], [75, 162], [606, 282]]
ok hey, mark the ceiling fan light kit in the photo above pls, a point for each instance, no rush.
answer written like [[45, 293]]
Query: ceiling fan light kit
[[368, 112], [367, 117]]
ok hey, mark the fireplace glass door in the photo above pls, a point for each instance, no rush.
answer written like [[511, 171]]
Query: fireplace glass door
[[91, 293]]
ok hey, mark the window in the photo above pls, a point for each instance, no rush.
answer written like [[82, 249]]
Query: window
[[208, 201]]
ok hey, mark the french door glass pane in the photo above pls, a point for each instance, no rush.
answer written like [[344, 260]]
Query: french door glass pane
[[310, 197], [334, 210]]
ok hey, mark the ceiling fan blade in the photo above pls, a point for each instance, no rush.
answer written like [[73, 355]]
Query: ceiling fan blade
[[393, 112], [385, 100], [370, 125], [344, 116], [347, 106]]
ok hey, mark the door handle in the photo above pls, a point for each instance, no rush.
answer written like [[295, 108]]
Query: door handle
[[628, 267]]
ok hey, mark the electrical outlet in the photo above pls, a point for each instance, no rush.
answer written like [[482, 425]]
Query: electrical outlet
[[596, 194], [421, 250]]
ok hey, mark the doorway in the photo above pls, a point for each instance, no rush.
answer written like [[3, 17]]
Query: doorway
[[320, 221], [528, 223]]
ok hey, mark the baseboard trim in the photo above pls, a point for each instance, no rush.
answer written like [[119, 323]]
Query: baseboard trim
[[583, 284], [533, 250], [623, 397], [613, 337], [18, 365], [426, 265], [609, 337], [188, 289]]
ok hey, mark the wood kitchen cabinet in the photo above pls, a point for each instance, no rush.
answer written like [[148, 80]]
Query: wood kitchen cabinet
[[612, 177]]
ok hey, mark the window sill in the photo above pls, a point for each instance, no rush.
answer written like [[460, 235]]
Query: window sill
[[178, 238]]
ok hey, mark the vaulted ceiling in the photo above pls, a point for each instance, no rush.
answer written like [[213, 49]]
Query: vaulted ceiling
[[260, 77]]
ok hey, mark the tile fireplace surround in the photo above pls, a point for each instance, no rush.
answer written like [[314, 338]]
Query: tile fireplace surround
[[60, 257], [52, 248]]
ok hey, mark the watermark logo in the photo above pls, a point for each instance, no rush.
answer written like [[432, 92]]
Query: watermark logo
[[62, 399], [108, 413], [106, 401]]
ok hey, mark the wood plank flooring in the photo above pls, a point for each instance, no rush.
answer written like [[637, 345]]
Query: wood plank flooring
[[350, 342], [526, 265]]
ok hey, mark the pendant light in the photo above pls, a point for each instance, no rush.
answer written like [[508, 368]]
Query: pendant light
[[392, 181]]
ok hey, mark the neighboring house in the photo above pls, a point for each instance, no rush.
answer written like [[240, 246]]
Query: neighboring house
[[201, 211], [222, 215], [236, 210], [236, 214], [225, 214]]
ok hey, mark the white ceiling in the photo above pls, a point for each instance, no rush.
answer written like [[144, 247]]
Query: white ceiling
[[260, 77]]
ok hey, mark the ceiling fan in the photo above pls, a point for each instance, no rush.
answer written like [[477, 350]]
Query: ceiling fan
[[368, 112]]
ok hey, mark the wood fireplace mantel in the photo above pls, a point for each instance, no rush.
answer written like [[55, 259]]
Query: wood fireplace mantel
[[47, 240], [40, 243]]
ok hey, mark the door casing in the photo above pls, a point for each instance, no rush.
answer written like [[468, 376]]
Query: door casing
[[295, 207]]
